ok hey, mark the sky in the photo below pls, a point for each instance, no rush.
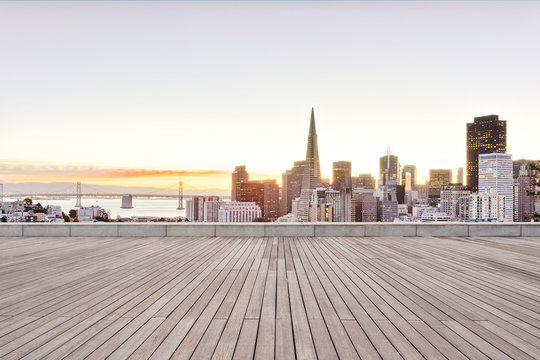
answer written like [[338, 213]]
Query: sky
[[149, 93]]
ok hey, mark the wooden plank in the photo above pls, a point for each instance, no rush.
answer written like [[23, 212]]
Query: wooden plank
[[280, 298]]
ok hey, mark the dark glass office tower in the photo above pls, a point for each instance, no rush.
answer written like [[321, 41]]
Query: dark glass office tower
[[238, 176], [486, 135], [389, 169]]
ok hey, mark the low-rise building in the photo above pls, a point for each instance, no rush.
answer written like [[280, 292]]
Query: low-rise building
[[450, 195], [325, 205], [365, 207], [211, 210], [236, 211], [487, 206]]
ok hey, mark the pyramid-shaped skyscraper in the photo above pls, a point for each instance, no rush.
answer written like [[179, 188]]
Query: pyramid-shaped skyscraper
[[312, 171]]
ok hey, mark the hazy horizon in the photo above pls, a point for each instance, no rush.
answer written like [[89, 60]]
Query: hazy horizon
[[149, 93]]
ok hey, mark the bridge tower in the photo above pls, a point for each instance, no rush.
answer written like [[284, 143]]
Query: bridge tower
[[79, 195], [180, 196]]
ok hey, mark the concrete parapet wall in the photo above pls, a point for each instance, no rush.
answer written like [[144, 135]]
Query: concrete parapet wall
[[454, 229], [298, 229], [194, 229], [269, 229], [239, 229], [58, 230], [340, 229], [381, 229], [494, 230], [150, 229], [94, 229], [530, 229]]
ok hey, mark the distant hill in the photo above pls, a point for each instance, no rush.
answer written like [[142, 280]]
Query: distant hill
[[66, 187]]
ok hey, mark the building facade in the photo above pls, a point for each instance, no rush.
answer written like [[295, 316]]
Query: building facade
[[270, 209], [341, 175], [211, 210], [251, 191], [437, 179], [387, 210], [525, 202], [238, 212], [459, 177], [238, 176], [450, 196], [486, 135], [365, 208], [195, 207], [325, 205], [366, 181], [495, 176], [342, 182], [486, 206], [409, 177], [312, 172], [389, 173], [291, 186]]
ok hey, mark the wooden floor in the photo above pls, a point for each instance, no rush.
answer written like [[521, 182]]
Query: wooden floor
[[266, 298]]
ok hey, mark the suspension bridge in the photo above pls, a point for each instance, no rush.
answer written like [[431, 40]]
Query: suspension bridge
[[90, 192]]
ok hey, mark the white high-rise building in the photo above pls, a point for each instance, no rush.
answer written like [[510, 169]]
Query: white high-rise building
[[487, 206], [495, 175], [236, 211]]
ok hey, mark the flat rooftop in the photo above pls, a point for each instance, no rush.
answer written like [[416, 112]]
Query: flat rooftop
[[270, 297]]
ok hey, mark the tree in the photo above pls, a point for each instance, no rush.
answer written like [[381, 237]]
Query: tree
[[66, 218], [104, 217], [27, 203], [73, 215], [535, 193], [4, 219], [39, 209]]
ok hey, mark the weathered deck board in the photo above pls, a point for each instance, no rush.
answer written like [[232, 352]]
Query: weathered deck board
[[270, 298]]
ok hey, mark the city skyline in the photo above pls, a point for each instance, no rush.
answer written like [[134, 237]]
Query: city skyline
[[141, 178], [104, 112]]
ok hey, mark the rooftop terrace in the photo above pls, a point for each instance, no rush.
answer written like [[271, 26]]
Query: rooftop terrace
[[270, 297]]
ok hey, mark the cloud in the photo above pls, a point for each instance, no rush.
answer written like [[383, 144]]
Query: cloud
[[22, 171]]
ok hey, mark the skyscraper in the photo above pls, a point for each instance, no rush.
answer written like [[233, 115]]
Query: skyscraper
[[238, 176], [438, 178], [366, 208], [459, 178], [388, 169], [251, 191], [409, 177], [271, 200], [517, 164], [291, 182], [342, 182], [486, 135], [495, 176], [366, 181], [341, 175], [312, 171], [525, 202]]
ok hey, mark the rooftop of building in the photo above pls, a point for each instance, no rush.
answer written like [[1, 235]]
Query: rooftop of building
[[265, 297]]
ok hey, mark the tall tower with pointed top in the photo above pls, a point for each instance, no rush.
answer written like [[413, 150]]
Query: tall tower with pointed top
[[312, 151], [312, 171]]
